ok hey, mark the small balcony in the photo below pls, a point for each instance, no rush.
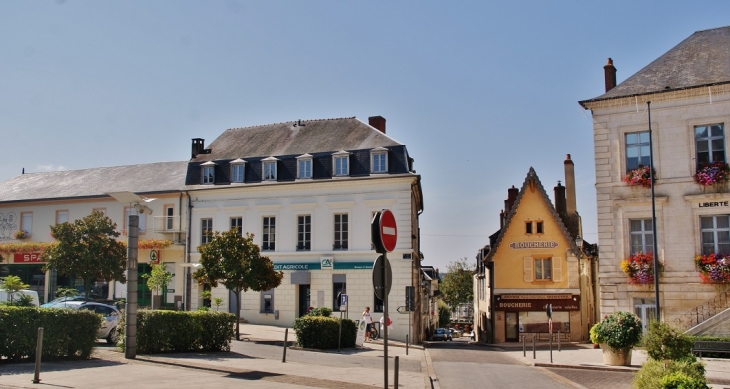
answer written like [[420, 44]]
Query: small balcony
[[167, 224]]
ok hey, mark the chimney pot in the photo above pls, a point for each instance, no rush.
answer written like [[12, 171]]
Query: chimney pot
[[198, 146], [610, 75], [378, 122]]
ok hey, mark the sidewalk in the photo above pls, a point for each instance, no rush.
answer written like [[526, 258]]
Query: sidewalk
[[584, 356], [109, 368]]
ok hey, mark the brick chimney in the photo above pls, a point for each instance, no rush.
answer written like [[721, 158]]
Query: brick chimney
[[571, 209], [378, 122], [198, 146], [560, 200], [511, 198], [610, 73]]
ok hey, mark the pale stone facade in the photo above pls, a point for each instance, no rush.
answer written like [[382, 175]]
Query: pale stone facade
[[687, 88]]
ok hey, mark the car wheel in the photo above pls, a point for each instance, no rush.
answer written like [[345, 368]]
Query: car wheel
[[113, 336]]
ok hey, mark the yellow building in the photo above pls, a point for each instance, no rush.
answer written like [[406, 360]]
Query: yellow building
[[537, 260]]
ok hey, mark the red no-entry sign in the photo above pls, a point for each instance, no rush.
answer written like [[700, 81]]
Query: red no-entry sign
[[384, 231]]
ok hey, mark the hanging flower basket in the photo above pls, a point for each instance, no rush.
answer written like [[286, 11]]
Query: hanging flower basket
[[713, 268], [713, 174], [641, 176], [20, 234], [640, 268]]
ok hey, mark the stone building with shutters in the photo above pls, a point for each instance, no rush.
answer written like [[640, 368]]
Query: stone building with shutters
[[535, 259]]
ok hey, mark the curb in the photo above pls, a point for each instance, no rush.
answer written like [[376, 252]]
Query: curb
[[625, 369]]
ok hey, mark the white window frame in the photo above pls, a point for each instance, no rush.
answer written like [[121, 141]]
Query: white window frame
[[715, 232], [549, 268], [341, 229], [375, 154], [62, 216], [206, 224], [304, 232], [237, 223], [26, 222], [269, 164], [268, 233], [709, 140], [238, 170], [640, 146], [305, 167], [208, 173], [338, 159], [643, 233], [169, 220]]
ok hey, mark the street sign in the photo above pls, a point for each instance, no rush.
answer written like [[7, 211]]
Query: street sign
[[382, 286], [384, 232], [343, 302], [402, 309], [410, 298]]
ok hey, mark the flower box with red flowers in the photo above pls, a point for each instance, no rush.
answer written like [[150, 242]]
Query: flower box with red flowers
[[714, 268]]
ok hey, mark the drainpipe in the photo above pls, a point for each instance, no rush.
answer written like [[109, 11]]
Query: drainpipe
[[187, 252]]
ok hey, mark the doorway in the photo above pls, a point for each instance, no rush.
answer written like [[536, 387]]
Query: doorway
[[511, 329], [645, 309], [304, 299]]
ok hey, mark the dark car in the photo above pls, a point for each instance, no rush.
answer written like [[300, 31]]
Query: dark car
[[441, 334]]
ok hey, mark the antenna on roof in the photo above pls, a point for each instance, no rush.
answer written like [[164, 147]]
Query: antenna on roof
[[299, 123]]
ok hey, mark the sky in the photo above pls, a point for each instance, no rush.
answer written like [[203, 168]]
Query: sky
[[478, 91]]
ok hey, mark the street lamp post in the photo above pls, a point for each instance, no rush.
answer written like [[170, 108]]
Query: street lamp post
[[653, 218], [130, 319]]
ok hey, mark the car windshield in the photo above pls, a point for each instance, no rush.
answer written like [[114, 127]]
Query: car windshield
[[440, 331]]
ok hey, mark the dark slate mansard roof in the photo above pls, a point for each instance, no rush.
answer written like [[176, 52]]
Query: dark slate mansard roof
[[531, 175], [701, 59], [149, 178], [286, 141]]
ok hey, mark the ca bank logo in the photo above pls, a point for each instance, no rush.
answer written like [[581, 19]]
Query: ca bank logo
[[327, 262]]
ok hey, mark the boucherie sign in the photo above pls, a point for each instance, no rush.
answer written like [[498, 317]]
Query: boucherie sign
[[536, 302], [27, 257]]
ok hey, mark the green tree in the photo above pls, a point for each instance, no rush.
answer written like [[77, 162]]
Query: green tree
[[12, 284], [236, 262], [159, 278], [457, 286], [444, 314], [87, 249]]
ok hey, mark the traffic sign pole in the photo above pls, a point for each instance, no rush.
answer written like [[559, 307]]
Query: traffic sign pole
[[385, 321]]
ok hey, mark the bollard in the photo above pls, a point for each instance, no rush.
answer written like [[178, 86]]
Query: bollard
[[524, 352], [38, 352], [551, 348], [533, 347], [406, 344], [558, 341], [286, 336], [395, 379]]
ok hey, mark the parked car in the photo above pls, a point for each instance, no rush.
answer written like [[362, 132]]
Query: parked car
[[441, 334], [61, 300], [5, 296], [455, 333], [108, 329]]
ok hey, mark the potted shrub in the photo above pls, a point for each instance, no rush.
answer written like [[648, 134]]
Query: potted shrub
[[618, 333]]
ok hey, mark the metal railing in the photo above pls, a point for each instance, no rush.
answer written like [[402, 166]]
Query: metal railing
[[703, 311]]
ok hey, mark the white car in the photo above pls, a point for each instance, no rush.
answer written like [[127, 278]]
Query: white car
[[108, 329], [4, 296]]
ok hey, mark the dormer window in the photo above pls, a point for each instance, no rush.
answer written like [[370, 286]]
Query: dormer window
[[304, 166], [379, 160], [238, 166], [340, 165], [269, 169], [208, 173]]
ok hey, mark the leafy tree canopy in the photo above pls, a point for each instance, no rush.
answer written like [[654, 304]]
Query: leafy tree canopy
[[236, 262], [87, 249], [158, 278], [12, 284], [457, 285]]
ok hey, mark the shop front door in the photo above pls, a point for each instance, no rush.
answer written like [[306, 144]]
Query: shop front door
[[511, 329], [304, 299]]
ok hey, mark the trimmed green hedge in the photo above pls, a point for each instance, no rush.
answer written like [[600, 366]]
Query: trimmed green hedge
[[711, 339], [182, 331], [67, 334], [321, 332]]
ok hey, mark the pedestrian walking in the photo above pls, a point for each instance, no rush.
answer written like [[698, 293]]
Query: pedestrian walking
[[368, 323]]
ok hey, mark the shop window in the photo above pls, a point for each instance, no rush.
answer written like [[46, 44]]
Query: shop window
[[715, 234], [710, 143]]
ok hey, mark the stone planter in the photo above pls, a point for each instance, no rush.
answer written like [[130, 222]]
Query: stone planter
[[616, 357]]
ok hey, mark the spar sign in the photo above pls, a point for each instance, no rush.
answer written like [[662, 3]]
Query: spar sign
[[384, 232]]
